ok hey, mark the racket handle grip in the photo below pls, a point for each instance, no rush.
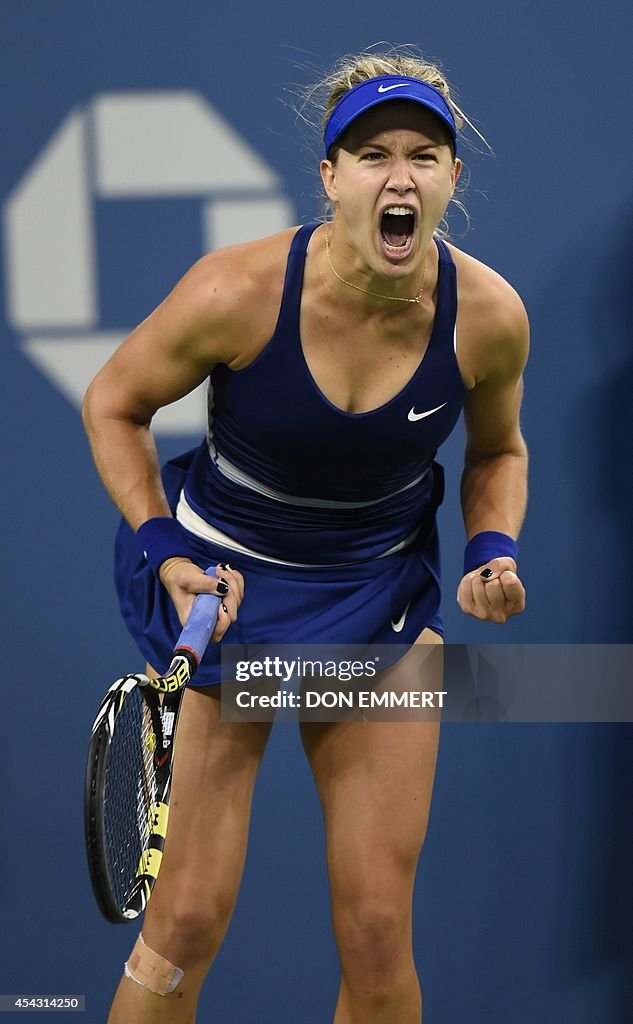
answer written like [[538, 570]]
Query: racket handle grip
[[200, 624]]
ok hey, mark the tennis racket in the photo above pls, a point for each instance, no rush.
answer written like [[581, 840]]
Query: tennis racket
[[128, 774]]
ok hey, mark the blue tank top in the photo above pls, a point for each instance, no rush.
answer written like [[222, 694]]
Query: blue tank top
[[289, 475]]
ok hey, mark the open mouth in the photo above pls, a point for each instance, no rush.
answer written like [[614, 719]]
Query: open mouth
[[396, 228]]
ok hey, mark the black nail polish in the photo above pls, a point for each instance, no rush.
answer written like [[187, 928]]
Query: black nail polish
[[222, 587], [224, 608], [223, 565], [486, 573]]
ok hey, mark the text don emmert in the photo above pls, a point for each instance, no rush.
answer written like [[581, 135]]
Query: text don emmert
[[340, 699]]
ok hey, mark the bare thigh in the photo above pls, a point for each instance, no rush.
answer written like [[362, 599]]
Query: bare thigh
[[215, 766], [375, 780]]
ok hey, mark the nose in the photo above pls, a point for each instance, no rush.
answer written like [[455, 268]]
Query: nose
[[400, 180]]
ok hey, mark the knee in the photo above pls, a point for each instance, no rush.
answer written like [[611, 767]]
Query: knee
[[373, 936], [188, 934]]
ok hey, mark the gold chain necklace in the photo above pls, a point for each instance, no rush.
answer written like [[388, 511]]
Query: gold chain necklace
[[365, 291]]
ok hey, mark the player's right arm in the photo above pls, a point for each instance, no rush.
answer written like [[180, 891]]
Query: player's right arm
[[166, 357]]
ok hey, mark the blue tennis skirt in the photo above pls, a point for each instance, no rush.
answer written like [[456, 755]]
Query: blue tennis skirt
[[358, 603]]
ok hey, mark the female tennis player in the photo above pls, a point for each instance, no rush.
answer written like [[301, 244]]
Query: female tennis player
[[340, 356]]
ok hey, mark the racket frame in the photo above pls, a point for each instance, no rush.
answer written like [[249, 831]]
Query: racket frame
[[161, 694], [94, 808]]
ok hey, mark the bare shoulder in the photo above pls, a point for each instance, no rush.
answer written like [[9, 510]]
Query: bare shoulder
[[492, 322], [234, 295]]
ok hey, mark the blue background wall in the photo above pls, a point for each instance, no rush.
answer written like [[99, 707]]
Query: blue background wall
[[524, 893]]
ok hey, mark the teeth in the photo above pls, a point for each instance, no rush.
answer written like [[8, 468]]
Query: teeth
[[398, 211]]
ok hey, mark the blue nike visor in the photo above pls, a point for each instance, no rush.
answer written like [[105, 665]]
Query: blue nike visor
[[377, 90]]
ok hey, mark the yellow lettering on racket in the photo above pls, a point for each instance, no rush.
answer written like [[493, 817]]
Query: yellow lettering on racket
[[157, 819], [149, 864], [177, 677]]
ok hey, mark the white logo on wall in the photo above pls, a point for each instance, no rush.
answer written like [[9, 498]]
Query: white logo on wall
[[121, 146]]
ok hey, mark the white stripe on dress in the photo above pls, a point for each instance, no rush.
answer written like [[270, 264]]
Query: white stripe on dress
[[201, 528], [237, 476]]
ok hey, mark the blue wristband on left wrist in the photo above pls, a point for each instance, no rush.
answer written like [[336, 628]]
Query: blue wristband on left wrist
[[163, 537], [485, 546]]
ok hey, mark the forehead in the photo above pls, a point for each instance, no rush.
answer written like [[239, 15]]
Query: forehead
[[391, 118]]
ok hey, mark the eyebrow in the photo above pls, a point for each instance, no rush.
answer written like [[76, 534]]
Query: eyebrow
[[414, 149]]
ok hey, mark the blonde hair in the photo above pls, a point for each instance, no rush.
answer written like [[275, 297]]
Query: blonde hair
[[352, 69]]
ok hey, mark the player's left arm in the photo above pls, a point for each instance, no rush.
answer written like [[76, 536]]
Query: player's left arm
[[494, 481]]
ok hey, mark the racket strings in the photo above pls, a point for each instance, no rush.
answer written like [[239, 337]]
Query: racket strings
[[130, 791], [146, 788]]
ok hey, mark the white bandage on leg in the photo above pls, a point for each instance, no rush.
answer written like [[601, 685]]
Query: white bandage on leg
[[151, 970]]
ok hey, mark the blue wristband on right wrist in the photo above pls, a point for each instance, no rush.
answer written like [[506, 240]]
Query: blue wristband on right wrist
[[163, 537], [485, 546]]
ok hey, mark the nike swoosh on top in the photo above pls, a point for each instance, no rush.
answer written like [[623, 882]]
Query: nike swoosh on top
[[413, 415], [398, 626], [387, 88]]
